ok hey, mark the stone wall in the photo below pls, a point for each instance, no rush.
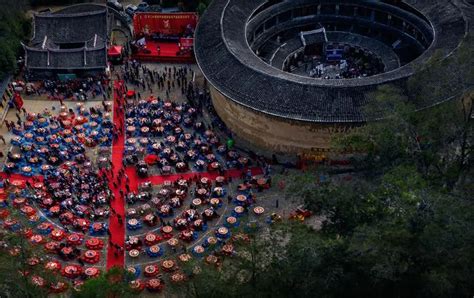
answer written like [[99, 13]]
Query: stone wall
[[274, 133]]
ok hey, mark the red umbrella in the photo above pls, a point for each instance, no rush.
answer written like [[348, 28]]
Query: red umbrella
[[151, 159], [130, 93]]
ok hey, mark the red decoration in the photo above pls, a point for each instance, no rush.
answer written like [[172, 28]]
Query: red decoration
[[165, 23]]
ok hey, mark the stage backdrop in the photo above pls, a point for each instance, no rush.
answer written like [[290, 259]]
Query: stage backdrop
[[166, 23]]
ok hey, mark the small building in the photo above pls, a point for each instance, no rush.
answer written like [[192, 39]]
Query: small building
[[71, 40]]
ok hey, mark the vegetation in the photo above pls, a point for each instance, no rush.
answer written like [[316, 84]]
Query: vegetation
[[16, 270], [14, 27], [112, 283], [401, 228]]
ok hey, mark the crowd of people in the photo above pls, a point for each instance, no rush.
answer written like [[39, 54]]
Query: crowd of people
[[41, 141], [70, 199], [142, 77], [80, 89]]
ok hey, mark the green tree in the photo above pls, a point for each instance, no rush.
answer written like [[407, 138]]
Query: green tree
[[113, 283], [201, 8], [14, 27]]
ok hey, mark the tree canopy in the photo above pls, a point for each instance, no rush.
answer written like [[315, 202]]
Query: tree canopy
[[14, 27]]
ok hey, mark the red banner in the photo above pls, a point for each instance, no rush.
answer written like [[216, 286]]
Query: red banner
[[186, 42], [148, 23]]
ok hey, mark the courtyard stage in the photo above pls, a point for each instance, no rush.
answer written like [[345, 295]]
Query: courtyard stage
[[168, 53]]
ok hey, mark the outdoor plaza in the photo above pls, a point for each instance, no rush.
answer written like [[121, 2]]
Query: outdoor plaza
[[144, 181]]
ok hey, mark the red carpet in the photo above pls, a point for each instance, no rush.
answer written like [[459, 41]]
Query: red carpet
[[168, 52], [117, 230]]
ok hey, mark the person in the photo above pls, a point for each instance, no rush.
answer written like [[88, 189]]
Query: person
[[119, 218]]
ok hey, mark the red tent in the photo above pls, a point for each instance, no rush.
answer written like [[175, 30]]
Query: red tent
[[115, 51]]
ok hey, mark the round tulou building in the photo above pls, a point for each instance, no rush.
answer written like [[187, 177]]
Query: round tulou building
[[286, 75]]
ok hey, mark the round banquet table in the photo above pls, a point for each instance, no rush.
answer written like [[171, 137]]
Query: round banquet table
[[167, 230], [180, 193], [20, 201], [151, 270], [133, 224], [198, 225], [134, 253], [91, 257], [48, 202], [165, 210], [214, 166], [198, 250], [238, 211], [151, 239], [197, 202], [51, 247], [154, 251], [186, 235], [168, 265], [177, 277], [215, 202], [200, 164], [201, 192], [208, 213], [173, 242], [72, 271], [94, 243], [75, 239], [130, 129], [58, 287], [222, 232], [220, 180], [33, 261], [44, 228], [154, 285], [18, 184], [91, 272], [212, 260], [258, 210], [228, 249], [184, 258], [53, 265], [37, 239], [144, 141], [241, 199], [28, 210], [135, 271], [67, 252], [210, 241], [136, 285], [58, 234], [38, 185], [81, 223], [231, 222], [38, 281], [55, 210], [150, 219], [98, 228]]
